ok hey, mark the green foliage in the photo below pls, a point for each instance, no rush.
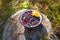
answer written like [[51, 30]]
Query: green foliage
[[53, 6], [7, 1], [58, 17], [0, 38], [25, 5], [48, 1], [0, 4], [58, 8]]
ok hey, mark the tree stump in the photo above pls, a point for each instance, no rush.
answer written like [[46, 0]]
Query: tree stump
[[14, 30]]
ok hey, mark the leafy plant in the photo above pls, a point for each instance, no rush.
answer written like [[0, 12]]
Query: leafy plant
[[25, 5]]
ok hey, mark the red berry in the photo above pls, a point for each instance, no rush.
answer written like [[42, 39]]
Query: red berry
[[28, 25], [27, 19], [23, 21], [35, 22]]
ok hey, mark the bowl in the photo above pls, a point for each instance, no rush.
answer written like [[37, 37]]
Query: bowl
[[27, 20]]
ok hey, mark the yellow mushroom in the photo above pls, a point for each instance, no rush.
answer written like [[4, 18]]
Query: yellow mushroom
[[36, 14]]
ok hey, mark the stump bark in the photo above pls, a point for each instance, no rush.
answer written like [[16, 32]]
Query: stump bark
[[14, 30]]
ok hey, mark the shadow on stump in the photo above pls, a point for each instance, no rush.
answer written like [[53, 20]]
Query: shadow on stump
[[35, 33]]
